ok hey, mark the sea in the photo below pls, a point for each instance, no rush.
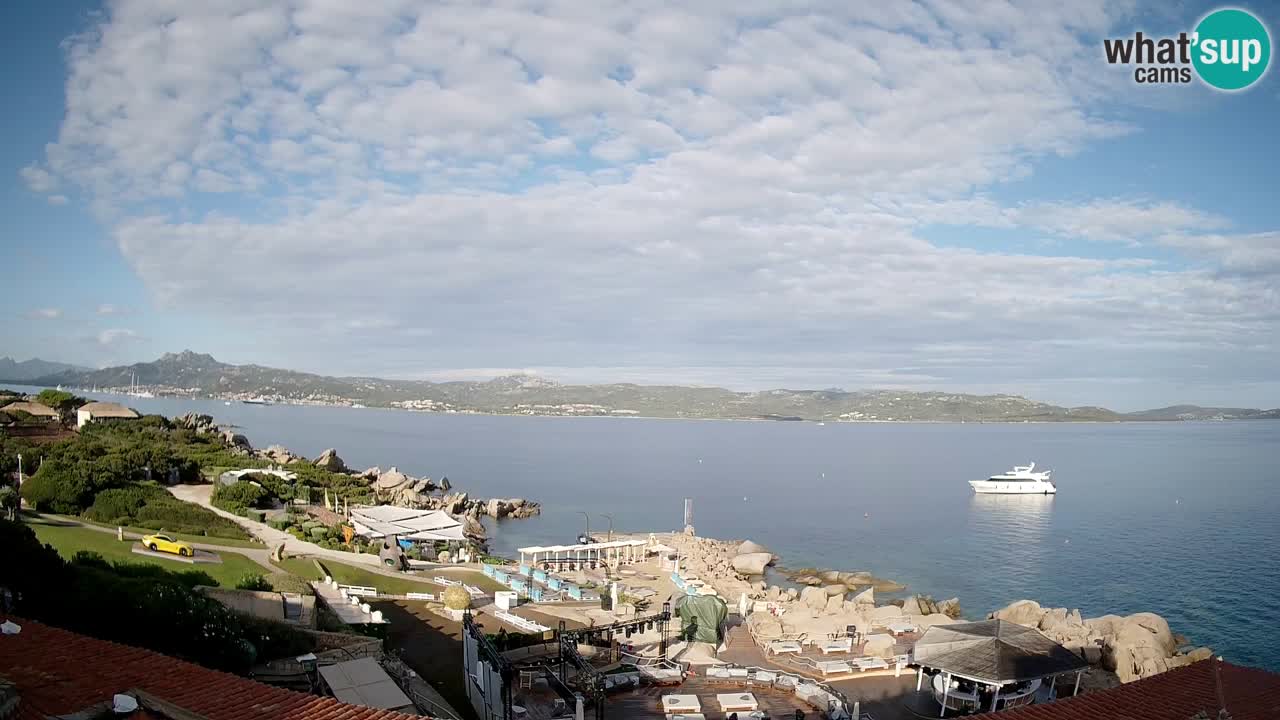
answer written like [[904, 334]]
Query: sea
[[1176, 518]]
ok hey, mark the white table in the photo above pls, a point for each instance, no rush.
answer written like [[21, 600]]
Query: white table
[[737, 701], [900, 628], [681, 704], [778, 647]]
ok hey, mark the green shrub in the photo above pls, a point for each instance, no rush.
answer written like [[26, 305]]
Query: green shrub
[[253, 582], [456, 598], [319, 533], [276, 487], [90, 558], [115, 503], [169, 513], [59, 487], [284, 582], [240, 495]]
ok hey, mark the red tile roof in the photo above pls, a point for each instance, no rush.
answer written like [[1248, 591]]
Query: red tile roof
[[59, 672], [1246, 693]]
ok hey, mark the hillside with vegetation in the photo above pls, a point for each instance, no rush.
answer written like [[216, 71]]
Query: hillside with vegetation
[[197, 374]]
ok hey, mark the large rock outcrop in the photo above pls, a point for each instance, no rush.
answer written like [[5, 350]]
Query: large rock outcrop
[[751, 564], [330, 461], [814, 597], [280, 455], [1133, 647]]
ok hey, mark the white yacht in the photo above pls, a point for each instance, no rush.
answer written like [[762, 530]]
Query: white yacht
[[1022, 480]]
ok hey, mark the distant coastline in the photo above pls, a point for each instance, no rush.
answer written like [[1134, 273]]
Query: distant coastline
[[195, 375], [292, 402]]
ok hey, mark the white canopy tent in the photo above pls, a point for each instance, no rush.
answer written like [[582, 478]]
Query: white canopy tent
[[623, 550], [407, 523]]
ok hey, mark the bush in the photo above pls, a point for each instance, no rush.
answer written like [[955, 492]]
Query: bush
[[59, 487], [169, 513], [284, 582], [89, 558], [253, 582], [109, 506], [239, 495], [456, 598], [319, 533]]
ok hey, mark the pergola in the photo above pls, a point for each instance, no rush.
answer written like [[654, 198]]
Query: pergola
[[995, 653], [620, 551]]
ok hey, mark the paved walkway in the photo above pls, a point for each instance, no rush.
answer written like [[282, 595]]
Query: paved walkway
[[258, 555], [200, 494]]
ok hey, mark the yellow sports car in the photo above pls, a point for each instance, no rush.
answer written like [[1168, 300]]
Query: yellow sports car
[[164, 543]]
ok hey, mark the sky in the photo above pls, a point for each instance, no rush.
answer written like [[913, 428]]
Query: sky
[[939, 195]]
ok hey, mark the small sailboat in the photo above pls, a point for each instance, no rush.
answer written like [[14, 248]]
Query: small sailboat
[[135, 390]]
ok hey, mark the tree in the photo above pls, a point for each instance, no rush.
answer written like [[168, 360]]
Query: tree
[[64, 402], [8, 502]]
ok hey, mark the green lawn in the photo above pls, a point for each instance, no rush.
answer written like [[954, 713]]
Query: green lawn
[[69, 540], [470, 577], [352, 575], [207, 539]]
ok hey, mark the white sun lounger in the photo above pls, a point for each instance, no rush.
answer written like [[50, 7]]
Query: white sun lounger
[[900, 628], [778, 647], [834, 667], [686, 716], [681, 704], [843, 645], [730, 702], [870, 663]]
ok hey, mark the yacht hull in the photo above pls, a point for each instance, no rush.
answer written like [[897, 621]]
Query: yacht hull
[[1013, 487]]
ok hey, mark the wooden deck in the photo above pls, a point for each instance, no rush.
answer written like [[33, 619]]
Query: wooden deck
[[645, 702]]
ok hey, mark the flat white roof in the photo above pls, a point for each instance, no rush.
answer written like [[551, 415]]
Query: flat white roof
[[588, 546], [364, 682]]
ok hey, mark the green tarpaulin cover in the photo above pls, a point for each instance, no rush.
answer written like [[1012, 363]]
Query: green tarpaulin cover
[[703, 617]]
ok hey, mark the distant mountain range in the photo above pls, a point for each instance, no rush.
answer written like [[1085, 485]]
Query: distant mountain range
[[13, 370], [196, 374]]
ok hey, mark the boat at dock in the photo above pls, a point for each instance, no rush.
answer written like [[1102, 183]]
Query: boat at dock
[[1022, 480]]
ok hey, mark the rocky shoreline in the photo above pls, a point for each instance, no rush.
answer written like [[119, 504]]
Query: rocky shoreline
[[1119, 649], [390, 487]]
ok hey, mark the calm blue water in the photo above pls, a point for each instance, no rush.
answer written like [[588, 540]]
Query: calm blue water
[[1182, 519]]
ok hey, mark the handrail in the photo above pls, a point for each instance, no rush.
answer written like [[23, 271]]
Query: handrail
[[759, 643], [399, 672]]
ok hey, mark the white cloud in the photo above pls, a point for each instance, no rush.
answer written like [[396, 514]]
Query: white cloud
[[114, 336], [1116, 220], [57, 199], [39, 179], [720, 185], [111, 309], [45, 314]]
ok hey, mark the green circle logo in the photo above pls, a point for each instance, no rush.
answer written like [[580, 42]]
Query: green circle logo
[[1232, 49]]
